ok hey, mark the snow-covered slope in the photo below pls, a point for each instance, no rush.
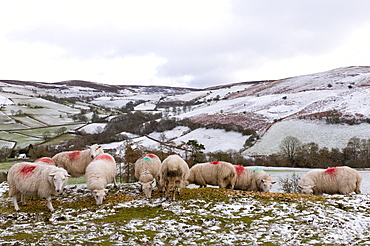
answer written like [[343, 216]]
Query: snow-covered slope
[[295, 106]]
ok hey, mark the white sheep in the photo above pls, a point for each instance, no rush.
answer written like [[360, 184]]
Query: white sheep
[[219, 173], [335, 180], [75, 162], [252, 179], [29, 179], [146, 171], [173, 174], [101, 171], [45, 161]]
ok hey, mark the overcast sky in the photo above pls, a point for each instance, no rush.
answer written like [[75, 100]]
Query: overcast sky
[[180, 43]]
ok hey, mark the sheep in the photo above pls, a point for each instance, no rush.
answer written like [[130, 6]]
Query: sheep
[[99, 173], [45, 161], [218, 173], [146, 170], [75, 162], [335, 180], [29, 179], [252, 179], [173, 174]]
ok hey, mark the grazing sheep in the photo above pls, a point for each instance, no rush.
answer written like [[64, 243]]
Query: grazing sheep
[[75, 162], [252, 179], [146, 170], [45, 161], [174, 173], [99, 173], [335, 180], [219, 173], [29, 179]]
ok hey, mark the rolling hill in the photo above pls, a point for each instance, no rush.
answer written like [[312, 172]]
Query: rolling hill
[[327, 108]]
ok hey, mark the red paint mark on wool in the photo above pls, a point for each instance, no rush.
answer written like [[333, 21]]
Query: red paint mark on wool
[[148, 155], [74, 155], [239, 170], [331, 171], [27, 170], [104, 157], [215, 162], [44, 159]]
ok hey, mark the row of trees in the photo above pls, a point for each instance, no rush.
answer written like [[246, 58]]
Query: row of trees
[[294, 153]]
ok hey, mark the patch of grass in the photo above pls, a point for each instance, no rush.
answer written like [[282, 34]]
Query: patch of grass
[[37, 205], [25, 237], [59, 139], [207, 194]]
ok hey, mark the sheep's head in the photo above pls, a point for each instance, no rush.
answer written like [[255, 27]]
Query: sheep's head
[[306, 189], [99, 196], [147, 188], [266, 184], [59, 179], [95, 150]]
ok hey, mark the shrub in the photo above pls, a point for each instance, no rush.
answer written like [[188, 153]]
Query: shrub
[[289, 184]]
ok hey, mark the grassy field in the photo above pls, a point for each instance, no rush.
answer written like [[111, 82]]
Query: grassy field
[[200, 216]]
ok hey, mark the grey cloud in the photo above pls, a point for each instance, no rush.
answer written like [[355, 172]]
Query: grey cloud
[[259, 30]]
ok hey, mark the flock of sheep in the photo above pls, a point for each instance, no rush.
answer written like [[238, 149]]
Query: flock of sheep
[[48, 176], [174, 173]]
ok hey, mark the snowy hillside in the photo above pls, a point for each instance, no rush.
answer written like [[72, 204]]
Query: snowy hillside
[[296, 106]]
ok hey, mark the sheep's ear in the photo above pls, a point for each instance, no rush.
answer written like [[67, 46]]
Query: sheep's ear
[[300, 187], [263, 181], [273, 182], [106, 190], [52, 174], [67, 175], [99, 146]]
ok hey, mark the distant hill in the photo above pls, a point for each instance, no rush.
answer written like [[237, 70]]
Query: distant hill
[[335, 101]]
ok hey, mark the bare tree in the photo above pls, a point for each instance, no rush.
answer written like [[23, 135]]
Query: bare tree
[[289, 147]]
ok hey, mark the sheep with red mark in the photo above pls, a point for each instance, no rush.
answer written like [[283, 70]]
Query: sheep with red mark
[[75, 162], [29, 179], [335, 180], [99, 173], [45, 161], [218, 173], [252, 179], [146, 171], [173, 174]]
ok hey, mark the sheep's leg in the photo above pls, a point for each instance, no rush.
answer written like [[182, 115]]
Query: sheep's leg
[[15, 203], [358, 190], [49, 205], [115, 182], [23, 199]]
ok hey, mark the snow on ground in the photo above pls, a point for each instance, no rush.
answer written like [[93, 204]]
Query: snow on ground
[[240, 219], [171, 134], [143, 141], [5, 101], [114, 103], [93, 128], [325, 135], [146, 106], [6, 144], [215, 139], [212, 139], [118, 102]]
